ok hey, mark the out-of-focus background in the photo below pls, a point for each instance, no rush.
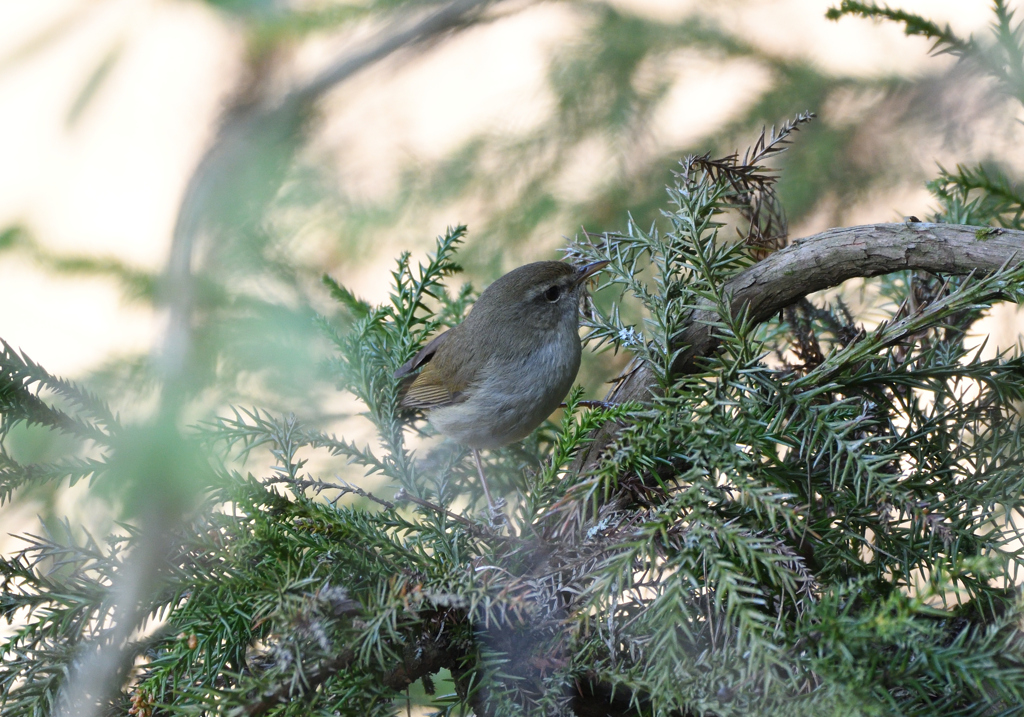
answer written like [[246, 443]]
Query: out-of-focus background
[[528, 121]]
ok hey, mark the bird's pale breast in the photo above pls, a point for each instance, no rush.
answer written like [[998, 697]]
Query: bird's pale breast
[[516, 396]]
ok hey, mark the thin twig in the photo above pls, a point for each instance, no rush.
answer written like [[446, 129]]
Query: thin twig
[[590, 404], [403, 495], [343, 486], [385, 43]]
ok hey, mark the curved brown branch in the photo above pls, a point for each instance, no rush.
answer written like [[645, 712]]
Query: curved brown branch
[[819, 262]]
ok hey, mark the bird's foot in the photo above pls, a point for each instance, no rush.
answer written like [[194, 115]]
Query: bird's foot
[[496, 517]]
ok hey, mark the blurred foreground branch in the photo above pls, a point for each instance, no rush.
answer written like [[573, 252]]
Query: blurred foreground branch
[[238, 174]]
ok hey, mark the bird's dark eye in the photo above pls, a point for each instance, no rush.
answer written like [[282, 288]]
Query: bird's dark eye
[[552, 294]]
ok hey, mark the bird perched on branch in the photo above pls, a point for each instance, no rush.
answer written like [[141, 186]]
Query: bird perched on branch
[[496, 376]]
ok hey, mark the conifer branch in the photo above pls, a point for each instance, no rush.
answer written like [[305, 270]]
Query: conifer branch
[[816, 263]]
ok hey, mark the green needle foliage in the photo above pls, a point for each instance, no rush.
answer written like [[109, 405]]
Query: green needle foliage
[[833, 531], [818, 518]]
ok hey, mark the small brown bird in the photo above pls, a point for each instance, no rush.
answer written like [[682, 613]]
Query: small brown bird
[[496, 376]]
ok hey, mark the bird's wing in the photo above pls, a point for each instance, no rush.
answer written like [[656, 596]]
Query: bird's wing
[[422, 356], [427, 391]]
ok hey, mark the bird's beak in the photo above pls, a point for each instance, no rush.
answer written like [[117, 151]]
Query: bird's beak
[[588, 270]]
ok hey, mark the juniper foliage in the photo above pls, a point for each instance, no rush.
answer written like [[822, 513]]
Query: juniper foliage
[[832, 532], [822, 517]]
